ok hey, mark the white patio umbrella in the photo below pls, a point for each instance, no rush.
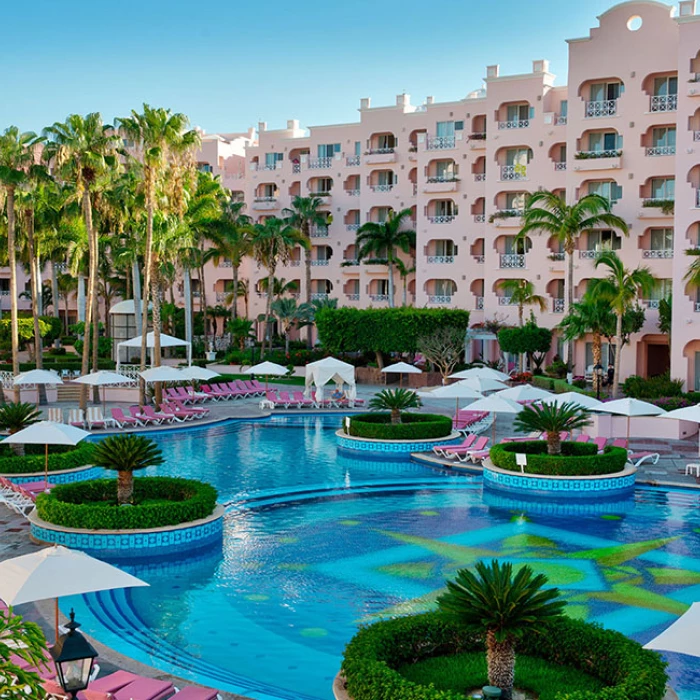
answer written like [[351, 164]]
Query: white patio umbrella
[[689, 413], [630, 408], [55, 572], [401, 368], [456, 391], [199, 373], [164, 373], [483, 384], [36, 377], [524, 392], [47, 433], [582, 400], [495, 404], [683, 636], [481, 373], [104, 378], [267, 369]]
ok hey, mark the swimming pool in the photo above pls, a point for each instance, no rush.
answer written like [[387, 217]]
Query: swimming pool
[[317, 542]]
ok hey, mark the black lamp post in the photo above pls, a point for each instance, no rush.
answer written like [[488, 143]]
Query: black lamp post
[[74, 657], [598, 371]]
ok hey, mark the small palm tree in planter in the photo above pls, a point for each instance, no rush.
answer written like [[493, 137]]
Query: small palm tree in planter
[[505, 607], [395, 400], [126, 454], [552, 419], [18, 416]]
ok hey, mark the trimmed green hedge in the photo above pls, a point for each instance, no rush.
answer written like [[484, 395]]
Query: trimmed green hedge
[[374, 655], [414, 426], [159, 501], [72, 458], [558, 386], [59, 363], [577, 458]]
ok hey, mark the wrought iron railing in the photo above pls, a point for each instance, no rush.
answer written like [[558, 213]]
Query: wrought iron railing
[[438, 143], [442, 219], [382, 188], [663, 254], [512, 261], [441, 259], [601, 108], [319, 163], [514, 124], [352, 160], [439, 299], [661, 151], [479, 303], [558, 306], [513, 172], [663, 103]]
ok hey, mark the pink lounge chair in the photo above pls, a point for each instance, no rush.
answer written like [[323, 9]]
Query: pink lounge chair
[[475, 457], [301, 400], [191, 692], [236, 391], [137, 412], [109, 684], [463, 453], [619, 442], [178, 416], [242, 387], [200, 411], [144, 689], [252, 389], [600, 443], [583, 438], [189, 395], [636, 458], [213, 393], [158, 417], [287, 399], [35, 487], [276, 400], [257, 385], [442, 450], [123, 420]]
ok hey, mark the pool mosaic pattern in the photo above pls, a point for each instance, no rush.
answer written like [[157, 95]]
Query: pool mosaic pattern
[[317, 543]]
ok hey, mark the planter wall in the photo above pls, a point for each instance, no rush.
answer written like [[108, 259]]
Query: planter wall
[[351, 444]]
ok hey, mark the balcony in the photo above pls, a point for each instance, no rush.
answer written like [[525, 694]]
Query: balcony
[[382, 188], [598, 160], [380, 155], [559, 165], [441, 259], [221, 297], [268, 166], [661, 151], [319, 262], [479, 218], [352, 227], [352, 297], [318, 232], [479, 303], [294, 263], [265, 203], [477, 141], [439, 143], [442, 219], [558, 305], [296, 167], [439, 299], [225, 263], [514, 124], [506, 301], [479, 259], [441, 183], [663, 103], [513, 172], [350, 262], [512, 261], [665, 254], [319, 296], [352, 160], [601, 108], [507, 217], [560, 120], [352, 193], [696, 136], [651, 303], [319, 163], [697, 307], [655, 208], [379, 297], [480, 177], [588, 254]]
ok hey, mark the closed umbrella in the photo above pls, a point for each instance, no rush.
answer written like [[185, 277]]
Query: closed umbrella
[[456, 391], [401, 368], [55, 572], [37, 376], [524, 392], [683, 636], [47, 433], [574, 397], [104, 378], [481, 373], [630, 408], [495, 404], [267, 369], [690, 413]]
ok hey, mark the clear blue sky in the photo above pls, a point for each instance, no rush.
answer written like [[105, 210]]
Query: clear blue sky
[[229, 64]]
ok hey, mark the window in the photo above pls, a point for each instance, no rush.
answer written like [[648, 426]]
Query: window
[[444, 169], [518, 156], [386, 142], [353, 288], [386, 178], [382, 214], [663, 188], [661, 290], [606, 91], [4, 285], [445, 129], [358, 148], [515, 200], [269, 190], [604, 141], [381, 287], [204, 168], [445, 248], [324, 184], [445, 207], [661, 239], [564, 108], [271, 160], [516, 246], [608, 189], [443, 288], [322, 252], [518, 113], [562, 154], [354, 216], [604, 240], [606, 355], [665, 86], [327, 150], [664, 136]]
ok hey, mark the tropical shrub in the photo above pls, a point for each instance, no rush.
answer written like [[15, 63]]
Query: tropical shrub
[[395, 401], [158, 501], [18, 416], [652, 388], [557, 369], [576, 458], [530, 340], [413, 426], [552, 419], [104, 347], [60, 458]]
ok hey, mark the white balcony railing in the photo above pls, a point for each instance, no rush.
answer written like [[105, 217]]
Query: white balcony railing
[[319, 163], [381, 151], [225, 263], [352, 193], [319, 262], [352, 227], [379, 297], [658, 254], [268, 166], [382, 188], [601, 108], [294, 263], [663, 103], [479, 259], [560, 165], [272, 198], [318, 296], [558, 305], [506, 301], [479, 303], [441, 259], [661, 151], [479, 177], [439, 299], [350, 262], [587, 254], [514, 124], [696, 136], [697, 307], [352, 160], [442, 219], [352, 297], [318, 232], [479, 218], [438, 143], [557, 256], [559, 120], [651, 303], [513, 172], [512, 261]]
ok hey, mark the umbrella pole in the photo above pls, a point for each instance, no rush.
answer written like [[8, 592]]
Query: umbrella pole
[[104, 400], [46, 466], [56, 617], [628, 432], [493, 429]]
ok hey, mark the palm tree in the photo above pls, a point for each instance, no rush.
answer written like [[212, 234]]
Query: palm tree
[[547, 212], [272, 245], [83, 149], [280, 287], [16, 416], [505, 607], [303, 214], [126, 454], [552, 419], [522, 294], [621, 289], [161, 137], [16, 158], [288, 315], [591, 315], [395, 400], [384, 240]]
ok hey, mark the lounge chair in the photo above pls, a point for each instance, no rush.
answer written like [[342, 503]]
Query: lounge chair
[[159, 418], [474, 457], [636, 459], [242, 387], [200, 411], [96, 419], [253, 389], [189, 395], [463, 454], [144, 689], [302, 401], [260, 388], [534, 435], [191, 692], [619, 442], [583, 438], [110, 683], [180, 416], [288, 400], [16, 498], [56, 415], [275, 400], [600, 443], [123, 420], [76, 417], [227, 392], [441, 450], [214, 394], [137, 412]]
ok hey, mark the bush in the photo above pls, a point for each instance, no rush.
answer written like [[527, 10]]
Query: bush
[[59, 459], [104, 346], [372, 659], [578, 382], [557, 369], [159, 501], [413, 426], [55, 352], [525, 340], [653, 388], [577, 458]]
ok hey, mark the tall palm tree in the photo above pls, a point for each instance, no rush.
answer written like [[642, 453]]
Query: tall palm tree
[[303, 214], [505, 607], [522, 294], [161, 137], [272, 245], [621, 289], [16, 157], [289, 314], [384, 240], [547, 212], [280, 287], [83, 150], [591, 315]]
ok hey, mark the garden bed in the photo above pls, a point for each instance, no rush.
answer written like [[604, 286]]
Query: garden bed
[[413, 426], [60, 459], [390, 659]]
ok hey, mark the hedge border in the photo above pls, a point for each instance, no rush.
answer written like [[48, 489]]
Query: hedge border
[[374, 654], [576, 463], [80, 456], [91, 505], [414, 426]]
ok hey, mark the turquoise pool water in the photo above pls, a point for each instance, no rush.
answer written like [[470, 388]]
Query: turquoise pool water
[[317, 542]]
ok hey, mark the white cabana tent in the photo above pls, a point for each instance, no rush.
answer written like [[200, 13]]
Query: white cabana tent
[[683, 636], [329, 369], [166, 341]]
